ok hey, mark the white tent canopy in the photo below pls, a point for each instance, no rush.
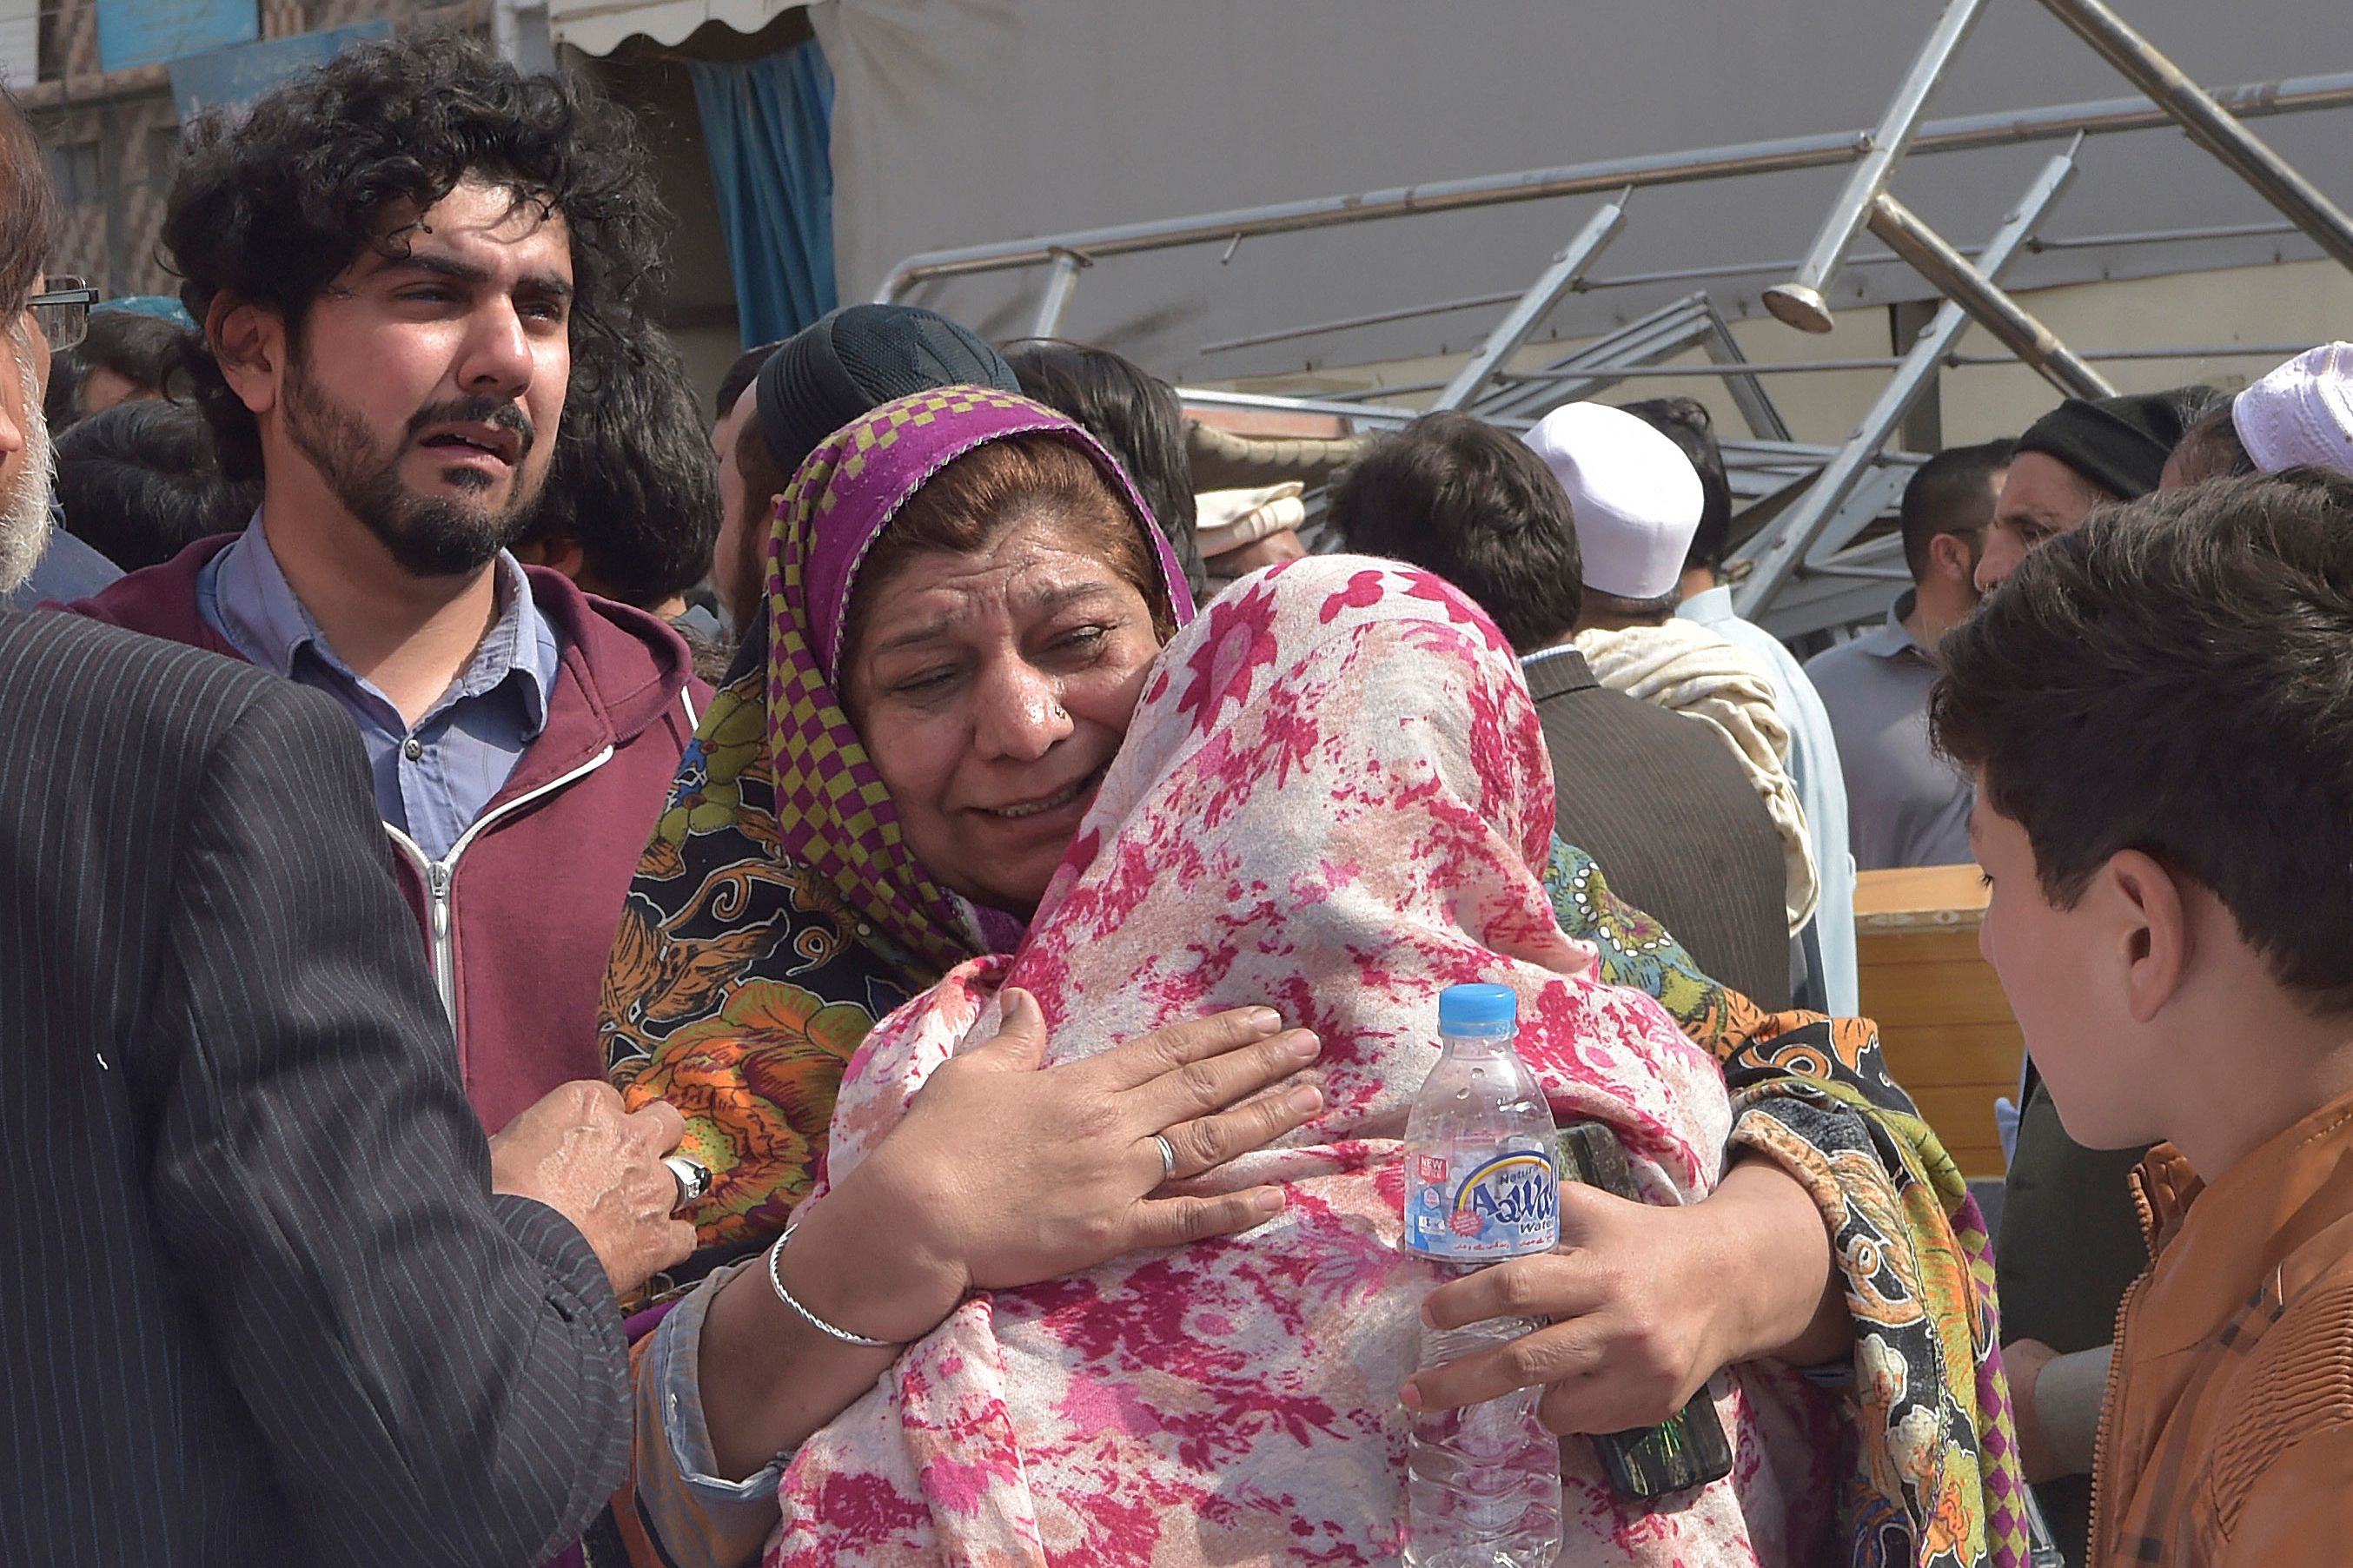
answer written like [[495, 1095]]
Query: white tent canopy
[[599, 26], [959, 122]]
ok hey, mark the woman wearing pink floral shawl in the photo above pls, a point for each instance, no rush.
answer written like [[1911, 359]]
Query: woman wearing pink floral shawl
[[1336, 796]]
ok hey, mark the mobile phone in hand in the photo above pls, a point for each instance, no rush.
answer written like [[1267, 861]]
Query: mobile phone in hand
[[1688, 1450]]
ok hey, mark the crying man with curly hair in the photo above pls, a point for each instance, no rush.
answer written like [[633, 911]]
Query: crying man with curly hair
[[393, 260]]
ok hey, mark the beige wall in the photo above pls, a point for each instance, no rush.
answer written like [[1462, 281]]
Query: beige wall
[[2300, 304]]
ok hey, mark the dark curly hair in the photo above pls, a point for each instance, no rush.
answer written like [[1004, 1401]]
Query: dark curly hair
[[635, 483], [1457, 496], [271, 207]]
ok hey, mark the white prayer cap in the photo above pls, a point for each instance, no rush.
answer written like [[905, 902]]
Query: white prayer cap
[[1635, 497], [2301, 413]]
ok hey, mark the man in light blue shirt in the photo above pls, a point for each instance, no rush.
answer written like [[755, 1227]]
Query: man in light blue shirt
[[1906, 805], [390, 297], [1825, 961], [1909, 807], [1831, 983]]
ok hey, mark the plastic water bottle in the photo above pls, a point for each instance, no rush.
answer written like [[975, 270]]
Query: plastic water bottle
[[1482, 1185]]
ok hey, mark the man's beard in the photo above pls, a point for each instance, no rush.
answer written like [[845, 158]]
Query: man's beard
[[25, 504], [426, 536]]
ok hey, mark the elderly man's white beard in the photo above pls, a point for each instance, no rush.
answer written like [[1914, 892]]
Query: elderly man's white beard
[[25, 506]]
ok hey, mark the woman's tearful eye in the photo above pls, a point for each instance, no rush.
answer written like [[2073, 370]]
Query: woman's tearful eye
[[1084, 642], [922, 683]]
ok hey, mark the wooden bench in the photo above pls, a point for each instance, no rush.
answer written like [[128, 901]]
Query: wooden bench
[[1944, 1025]]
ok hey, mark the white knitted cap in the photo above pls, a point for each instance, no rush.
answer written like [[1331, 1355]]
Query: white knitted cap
[[1635, 497], [2301, 413]]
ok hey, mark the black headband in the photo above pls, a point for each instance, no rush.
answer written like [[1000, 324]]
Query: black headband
[[2120, 444]]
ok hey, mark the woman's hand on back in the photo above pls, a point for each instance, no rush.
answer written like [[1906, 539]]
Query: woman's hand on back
[[1004, 1174]]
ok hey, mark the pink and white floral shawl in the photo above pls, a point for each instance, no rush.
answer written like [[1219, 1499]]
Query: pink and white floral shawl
[[1334, 797]]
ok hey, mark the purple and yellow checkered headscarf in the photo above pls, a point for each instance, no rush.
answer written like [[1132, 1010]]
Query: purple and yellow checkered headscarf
[[833, 812]]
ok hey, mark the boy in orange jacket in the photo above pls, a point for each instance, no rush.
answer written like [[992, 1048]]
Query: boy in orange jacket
[[2158, 711]]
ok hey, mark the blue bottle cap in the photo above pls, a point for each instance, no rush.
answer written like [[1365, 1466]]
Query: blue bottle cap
[[1478, 1010]]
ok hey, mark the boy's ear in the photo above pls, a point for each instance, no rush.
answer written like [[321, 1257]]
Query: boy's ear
[[2152, 930]]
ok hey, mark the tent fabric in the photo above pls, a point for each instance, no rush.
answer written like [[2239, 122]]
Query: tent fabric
[[597, 27], [767, 125], [964, 122], [1228, 460]]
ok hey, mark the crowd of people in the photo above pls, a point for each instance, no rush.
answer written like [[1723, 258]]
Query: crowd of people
[[841, 983]]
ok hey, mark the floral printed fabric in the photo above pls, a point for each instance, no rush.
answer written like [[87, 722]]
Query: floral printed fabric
[[1934, 1480], [740, 983], [740, 986], [1336, 796]]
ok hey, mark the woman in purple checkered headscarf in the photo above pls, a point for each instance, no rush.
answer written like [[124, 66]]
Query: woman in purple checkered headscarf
[[985, 762], [795, 890]]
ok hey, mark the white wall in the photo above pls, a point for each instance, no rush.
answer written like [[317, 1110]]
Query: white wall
[[20, 43]]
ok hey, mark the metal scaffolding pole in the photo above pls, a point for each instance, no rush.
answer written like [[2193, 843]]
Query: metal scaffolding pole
[[1777, 553], [1524, 317], [1365, 318], [2039, 245], [1856, 587], [1960, 279], [1968, 132], [1748, 394], [2209, 124], [1800, 300], [1629, 370], [1607, 360], [1055, 298], [1264, 402]]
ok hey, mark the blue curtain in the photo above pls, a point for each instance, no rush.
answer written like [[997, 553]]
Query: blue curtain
[[768, 125]]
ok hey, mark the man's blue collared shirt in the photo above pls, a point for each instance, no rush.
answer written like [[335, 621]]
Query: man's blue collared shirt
[[1906, 805], [435, 777]]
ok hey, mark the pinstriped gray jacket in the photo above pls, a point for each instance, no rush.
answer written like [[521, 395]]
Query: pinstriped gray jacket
[[263, 1306]]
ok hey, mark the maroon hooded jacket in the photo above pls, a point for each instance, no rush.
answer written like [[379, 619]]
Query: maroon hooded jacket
[[520, 919]]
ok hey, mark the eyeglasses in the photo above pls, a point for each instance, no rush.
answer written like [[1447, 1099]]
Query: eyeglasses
[[62, 311]]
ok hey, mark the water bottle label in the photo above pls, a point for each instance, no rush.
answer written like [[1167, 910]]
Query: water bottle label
[[1482, 1208]]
